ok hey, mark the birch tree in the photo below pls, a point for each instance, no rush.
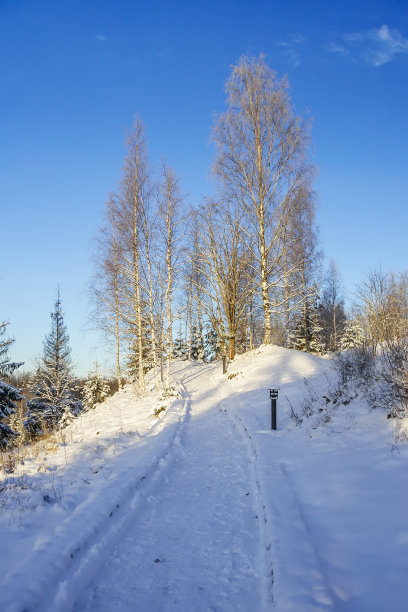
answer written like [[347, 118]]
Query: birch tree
[[196, 276], [224, 261], [383, 306], [147, 225], [169, 209], [106, 287], [135, 188], [300, 257], [261, 161], [302, 261], [332, 308]]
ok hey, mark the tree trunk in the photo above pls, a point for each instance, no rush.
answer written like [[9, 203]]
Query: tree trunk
[[151, 306], [231, 347], [169, 317], [116, 298], [137, 302]]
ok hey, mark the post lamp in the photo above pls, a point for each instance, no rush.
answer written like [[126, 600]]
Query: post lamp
[[273, 394]]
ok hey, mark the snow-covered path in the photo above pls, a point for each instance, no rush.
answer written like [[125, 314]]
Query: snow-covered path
[[194, 543], [208, 509]]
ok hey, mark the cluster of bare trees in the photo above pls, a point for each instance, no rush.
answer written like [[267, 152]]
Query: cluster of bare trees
[[249, 255], [382, 307], [332, 311], [258, 247], [137, 250]]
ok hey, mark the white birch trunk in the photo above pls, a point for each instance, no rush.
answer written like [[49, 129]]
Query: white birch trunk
[[151, 305]]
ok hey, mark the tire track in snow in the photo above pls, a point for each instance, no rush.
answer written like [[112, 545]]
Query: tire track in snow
[[311, 576], [73, 566], [194, 546], [266, 559]]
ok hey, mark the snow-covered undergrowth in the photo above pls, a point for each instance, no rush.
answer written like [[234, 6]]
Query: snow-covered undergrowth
[[328, 493]]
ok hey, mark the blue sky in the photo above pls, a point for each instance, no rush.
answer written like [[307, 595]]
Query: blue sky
[[74, 73]]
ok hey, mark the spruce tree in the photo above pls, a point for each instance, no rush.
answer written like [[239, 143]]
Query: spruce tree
[[212, 348], [179, 348], [7, 367], [9, 395], [197, 344], [307, 333], [96, 389], [133, 362], [352, 337], [53, 402]]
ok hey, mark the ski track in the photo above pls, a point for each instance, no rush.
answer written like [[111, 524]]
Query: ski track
[[209, 510], [183, 551], [276, 511], [265, 542], [75, 566]]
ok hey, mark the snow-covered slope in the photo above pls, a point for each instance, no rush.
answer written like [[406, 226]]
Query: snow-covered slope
[[336, 492], [206, 508]]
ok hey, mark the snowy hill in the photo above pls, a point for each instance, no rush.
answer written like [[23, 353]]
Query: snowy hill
[[206, 508]]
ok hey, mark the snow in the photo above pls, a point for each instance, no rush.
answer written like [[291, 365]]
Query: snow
[[206, 508]]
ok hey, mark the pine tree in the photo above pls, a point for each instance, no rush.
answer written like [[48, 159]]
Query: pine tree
[[53, 403], [352, 336], [95, 390]]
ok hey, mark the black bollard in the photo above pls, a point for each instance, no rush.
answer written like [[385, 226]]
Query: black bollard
[[273, 394]]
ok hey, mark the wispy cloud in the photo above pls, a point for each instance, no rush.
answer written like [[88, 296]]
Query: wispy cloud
[[338, 48], [375, 46], [101, 38], [291, 51]]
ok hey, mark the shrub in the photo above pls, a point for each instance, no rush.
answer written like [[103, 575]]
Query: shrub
[[356, 364], [393, 378]]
